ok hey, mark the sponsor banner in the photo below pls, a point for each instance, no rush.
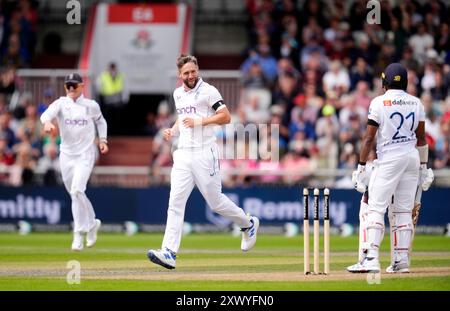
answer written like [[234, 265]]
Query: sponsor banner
[[144, 40], [142, 13], [274, 206]]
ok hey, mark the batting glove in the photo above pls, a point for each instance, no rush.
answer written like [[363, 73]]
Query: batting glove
[[426, 177], [360, 178]]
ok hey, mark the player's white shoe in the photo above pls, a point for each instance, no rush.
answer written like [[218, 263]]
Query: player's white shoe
[[163, 257], [249, 235], [398, 267], [77, 243], [91, 236], [367, 265]]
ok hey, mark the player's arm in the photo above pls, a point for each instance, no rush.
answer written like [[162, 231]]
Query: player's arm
[[221, 117], [426, 175], [102, 129], [360, 178], [422, 143], [49, 114], [368, 141], [168, 133]]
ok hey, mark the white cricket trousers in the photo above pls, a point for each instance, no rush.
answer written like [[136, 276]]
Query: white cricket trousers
[[199, 167], [397, 177], [75, 171]]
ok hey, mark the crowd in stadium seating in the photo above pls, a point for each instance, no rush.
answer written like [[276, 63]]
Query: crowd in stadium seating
[[316, 68], [22, 146], [313, 69]]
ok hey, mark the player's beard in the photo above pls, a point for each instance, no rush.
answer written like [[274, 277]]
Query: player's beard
[[190, 85]]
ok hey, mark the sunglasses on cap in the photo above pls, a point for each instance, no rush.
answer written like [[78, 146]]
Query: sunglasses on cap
[[72, 84]]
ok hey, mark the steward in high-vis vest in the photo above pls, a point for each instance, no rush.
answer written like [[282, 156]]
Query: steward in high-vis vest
[[112, 86]]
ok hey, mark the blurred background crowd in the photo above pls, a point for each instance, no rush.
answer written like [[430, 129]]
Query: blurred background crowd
[[311, 67]]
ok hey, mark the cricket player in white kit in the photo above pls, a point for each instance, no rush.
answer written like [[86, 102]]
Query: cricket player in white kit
[[79, 119], [196, 161], [397, 121]]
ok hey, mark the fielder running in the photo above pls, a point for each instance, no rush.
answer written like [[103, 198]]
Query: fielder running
[[196, 161], [78, 120], [397, 120]]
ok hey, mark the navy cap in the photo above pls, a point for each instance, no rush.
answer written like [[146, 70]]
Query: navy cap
[[395, 76], [73, 78]]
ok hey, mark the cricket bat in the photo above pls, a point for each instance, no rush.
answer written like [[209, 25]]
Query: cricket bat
[[415, 215]]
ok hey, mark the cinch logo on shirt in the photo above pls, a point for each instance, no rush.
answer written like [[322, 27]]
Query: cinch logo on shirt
[[387, 103], [186, 110], [80, 122]]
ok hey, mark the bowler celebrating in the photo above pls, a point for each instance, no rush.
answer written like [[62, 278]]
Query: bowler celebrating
[[78, 120], [196, 161]]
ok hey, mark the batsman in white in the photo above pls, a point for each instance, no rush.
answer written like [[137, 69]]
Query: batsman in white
[[196, 161], [79, 119], [396, 121]]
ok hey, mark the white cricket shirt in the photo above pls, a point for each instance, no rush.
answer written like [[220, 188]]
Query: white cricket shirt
[[398, 115], [196, 103], [77, 122]]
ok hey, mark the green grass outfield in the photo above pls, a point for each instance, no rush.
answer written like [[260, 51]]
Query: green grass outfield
[[207, 262]]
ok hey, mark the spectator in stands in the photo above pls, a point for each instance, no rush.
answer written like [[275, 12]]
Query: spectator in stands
[[29, 17], [7, 81], [350, 132], [327, 127], [290, 46], [246, 162], [46, 100], [22, 172], [398, 36], [443, 143], [336, 79], [285, 65], [265, 59], [429, 77], [348, 158], [254, 107], [164, 119], [5, 129], [296, 163], [362, 96], [443, 39], [361, 72], [30, 128], [49, 165], [162, 158], [150, 128], [269, 146], [15, 55], [276, 119], [6, 157], [440, 90], [313, 51], [314, 9], [300, 120], [255, 78], [350, 107], [421, 42], [410, 62], [3, 104], [113, 97]]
